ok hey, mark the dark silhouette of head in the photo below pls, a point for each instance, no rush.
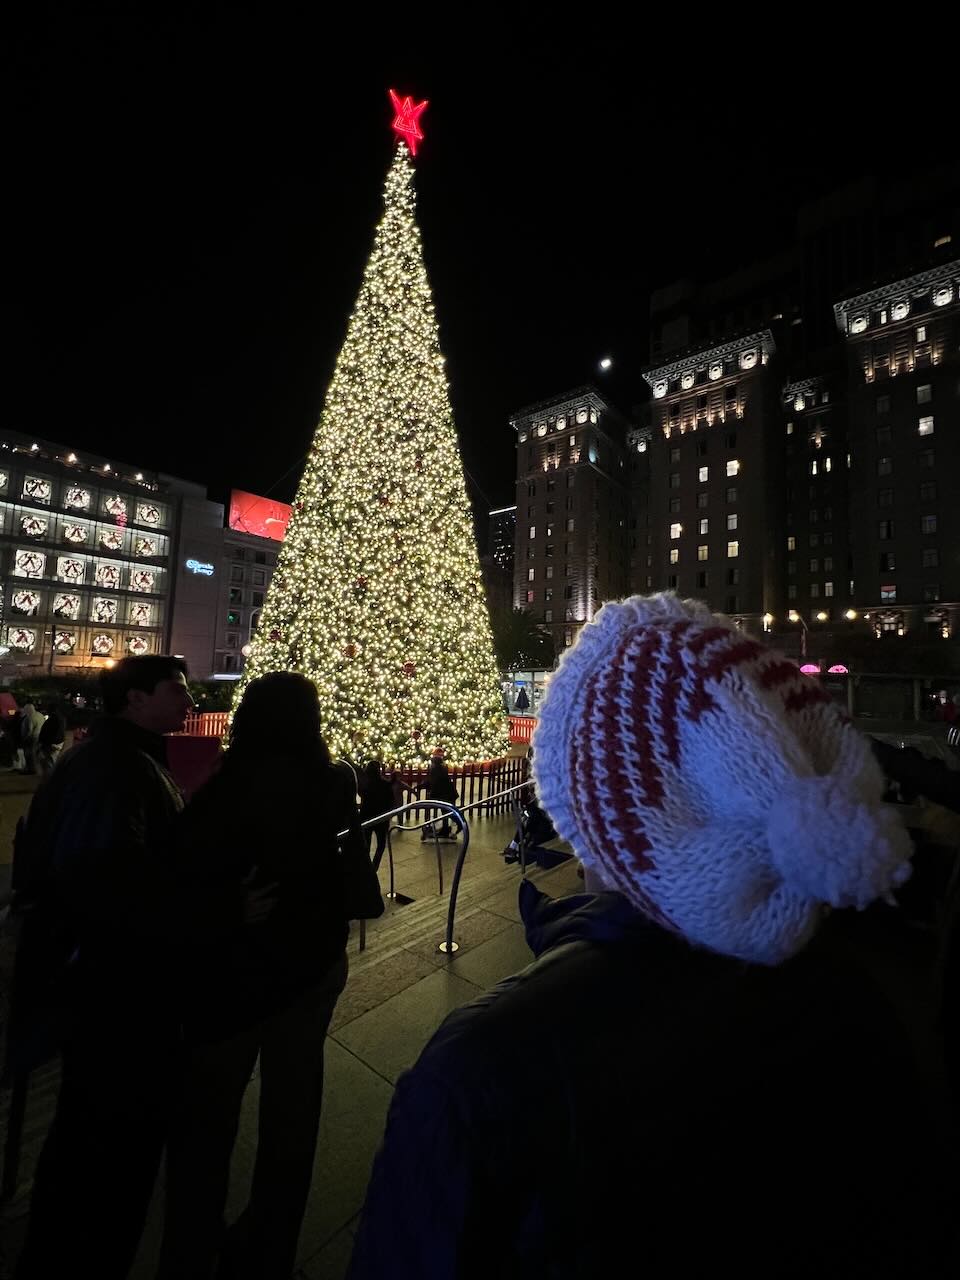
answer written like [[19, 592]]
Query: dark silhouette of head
[[279, 714], [373, 771], [150, 690]]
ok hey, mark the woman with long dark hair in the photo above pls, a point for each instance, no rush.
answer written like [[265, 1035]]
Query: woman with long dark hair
[[265, 969]]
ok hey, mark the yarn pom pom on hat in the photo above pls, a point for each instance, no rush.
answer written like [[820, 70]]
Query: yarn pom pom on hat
[[703, 776]]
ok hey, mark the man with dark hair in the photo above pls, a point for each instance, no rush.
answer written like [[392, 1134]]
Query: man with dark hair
[[96, 874]]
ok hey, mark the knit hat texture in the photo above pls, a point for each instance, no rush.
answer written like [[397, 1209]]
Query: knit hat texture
[[724, 793]]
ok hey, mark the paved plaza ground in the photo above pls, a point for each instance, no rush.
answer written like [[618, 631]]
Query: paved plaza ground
[[399, 990]]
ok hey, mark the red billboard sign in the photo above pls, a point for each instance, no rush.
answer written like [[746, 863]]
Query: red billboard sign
[[261, 516]]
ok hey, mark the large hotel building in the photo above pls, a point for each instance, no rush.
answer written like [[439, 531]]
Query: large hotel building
[[796, 460]]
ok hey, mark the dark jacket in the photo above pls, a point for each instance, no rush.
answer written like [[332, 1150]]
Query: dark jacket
[[276, 818], [94, 881], [628, 1105], [376, 797], [440, 786], [52, 730]]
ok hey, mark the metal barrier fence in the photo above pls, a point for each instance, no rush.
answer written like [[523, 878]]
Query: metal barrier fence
[[511, 797], [521, 728]]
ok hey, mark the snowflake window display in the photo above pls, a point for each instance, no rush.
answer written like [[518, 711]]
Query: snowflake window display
[[69, 569], [64, 641], [102, 645], [3, 479], [148, 513], [111, 539], [29, 564], [22, 638], [75, 533], [141, 613], [142, 580], [36, 489], [33, 526], [147, 547], [25, 601], [108, 575], [103, 609], [77, 499], [137, 646], [66, 605]]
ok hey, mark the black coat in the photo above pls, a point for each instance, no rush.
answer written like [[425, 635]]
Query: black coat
[[628, 1105], [275, 819]]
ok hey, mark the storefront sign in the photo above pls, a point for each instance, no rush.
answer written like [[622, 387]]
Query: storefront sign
[[198, 566]]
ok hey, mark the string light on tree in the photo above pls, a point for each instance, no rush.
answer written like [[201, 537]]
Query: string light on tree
[[377, 595]]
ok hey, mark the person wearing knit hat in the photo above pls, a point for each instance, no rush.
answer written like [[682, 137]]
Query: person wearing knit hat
[[701, 775], [698, 1074]]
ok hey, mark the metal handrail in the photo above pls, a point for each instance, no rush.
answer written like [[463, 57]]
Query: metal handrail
[[448, 946]]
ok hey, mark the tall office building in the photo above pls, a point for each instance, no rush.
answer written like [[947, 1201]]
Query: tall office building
[[572, 498]]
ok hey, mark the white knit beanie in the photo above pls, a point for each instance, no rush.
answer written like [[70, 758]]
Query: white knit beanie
[[719, 789]]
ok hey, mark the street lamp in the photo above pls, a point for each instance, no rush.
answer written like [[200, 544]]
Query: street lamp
[[851, 615], [793, 616], [821, 616]]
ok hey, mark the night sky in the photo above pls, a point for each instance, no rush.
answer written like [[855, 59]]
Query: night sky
[[190, 200]]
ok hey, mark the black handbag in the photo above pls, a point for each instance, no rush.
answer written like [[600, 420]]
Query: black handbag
[[361, 888]]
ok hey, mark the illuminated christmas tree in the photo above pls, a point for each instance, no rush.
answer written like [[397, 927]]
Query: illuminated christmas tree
[[377, 594]]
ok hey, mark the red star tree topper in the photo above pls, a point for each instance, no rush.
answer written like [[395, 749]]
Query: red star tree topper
[[406, 120]]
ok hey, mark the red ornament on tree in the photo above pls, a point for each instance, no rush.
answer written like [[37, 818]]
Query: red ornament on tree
[[409, 668], [349, 650], [274, 634], [360, 583]]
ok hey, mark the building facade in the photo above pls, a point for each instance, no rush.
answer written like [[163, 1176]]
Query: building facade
[[903, 341], [713, 498], [572, 508], [85, 557]]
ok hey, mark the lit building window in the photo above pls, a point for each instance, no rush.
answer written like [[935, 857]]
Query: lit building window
[[675, 530], [828, 588], [533, 531], [789, 428], [733, 467], [570, 524], [731, 521], [813, 467], [924, 394], [531, 574], [530, 596], [703, 474], [705, 525], [828, 464], [791, 543], [921, 333], [733, 550], [888, 592], [674, 555], [926, 426], [702, 553]]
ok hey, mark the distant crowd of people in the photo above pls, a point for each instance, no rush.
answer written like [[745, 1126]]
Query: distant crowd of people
[[702, 1071], [32, 738]]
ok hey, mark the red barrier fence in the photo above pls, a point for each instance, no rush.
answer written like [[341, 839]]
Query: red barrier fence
[[207, 724], [522, 727]]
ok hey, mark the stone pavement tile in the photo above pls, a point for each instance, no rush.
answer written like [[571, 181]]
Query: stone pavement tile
[[389, 1038], [332, 1260], [470, 931], [493, 960], [504, 902], [366, 990], [355, 1102]]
